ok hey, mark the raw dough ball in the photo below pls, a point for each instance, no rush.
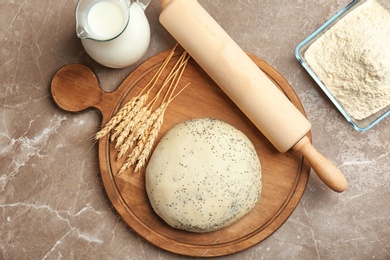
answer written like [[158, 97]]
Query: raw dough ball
[[203, 175]]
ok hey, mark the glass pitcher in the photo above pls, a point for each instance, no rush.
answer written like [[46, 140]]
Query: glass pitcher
[[115, 33]]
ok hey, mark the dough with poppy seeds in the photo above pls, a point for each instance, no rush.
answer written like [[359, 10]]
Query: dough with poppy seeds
[[203, 175]]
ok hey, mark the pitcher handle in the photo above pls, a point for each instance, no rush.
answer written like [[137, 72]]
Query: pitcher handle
[[143, 3]]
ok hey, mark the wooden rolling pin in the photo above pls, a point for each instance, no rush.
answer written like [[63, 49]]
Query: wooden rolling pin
[[249, 88]]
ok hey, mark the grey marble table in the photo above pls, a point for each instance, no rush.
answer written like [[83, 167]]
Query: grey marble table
[[52, 201]]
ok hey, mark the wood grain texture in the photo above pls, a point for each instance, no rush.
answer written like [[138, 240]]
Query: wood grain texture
[[285, 175]]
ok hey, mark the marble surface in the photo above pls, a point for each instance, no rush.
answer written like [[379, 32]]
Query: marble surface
[[52, 201]]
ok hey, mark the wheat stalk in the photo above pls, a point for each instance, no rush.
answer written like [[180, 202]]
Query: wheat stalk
[[131, 125], [126, 110], [142, 151], [132, 158], [130, 131], [119, 128], [116, 119], [156, 126], [155, 129], [135, 126], [181, 68], [135, 134], [142, 129]]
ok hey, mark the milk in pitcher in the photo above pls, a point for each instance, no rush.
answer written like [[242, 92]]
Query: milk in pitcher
[[113, 33]]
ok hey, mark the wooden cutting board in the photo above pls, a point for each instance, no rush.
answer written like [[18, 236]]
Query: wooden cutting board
[[75, 88]]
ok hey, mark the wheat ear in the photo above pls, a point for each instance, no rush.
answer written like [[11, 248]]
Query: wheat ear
[[132, 158], [136, 130], [131, 131], [130, 105], [139, 131], [155, 128], [139, 117], [116, 119], [147, 147], [129, 117]]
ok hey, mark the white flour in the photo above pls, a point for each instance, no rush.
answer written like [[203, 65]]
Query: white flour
[[352, 59]]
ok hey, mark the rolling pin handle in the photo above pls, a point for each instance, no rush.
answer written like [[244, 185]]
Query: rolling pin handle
[[324, 168]]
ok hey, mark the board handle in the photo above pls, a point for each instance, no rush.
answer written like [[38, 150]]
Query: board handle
[[324, 168], [75, 88]]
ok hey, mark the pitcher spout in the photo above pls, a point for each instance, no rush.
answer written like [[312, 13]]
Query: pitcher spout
[[81, 19], [143, 3], [81, 33]]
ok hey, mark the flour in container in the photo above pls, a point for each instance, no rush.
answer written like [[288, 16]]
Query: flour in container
[[352, 59]]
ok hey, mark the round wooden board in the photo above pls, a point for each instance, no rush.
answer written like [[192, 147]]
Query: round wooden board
[[285, 175]]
